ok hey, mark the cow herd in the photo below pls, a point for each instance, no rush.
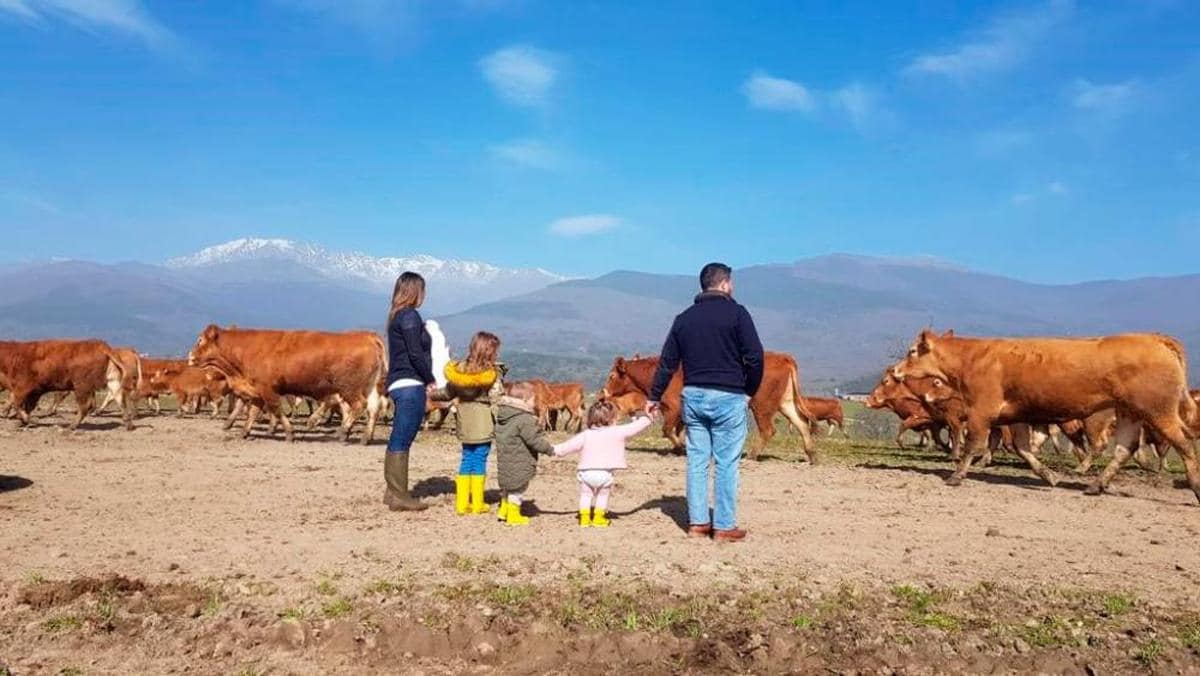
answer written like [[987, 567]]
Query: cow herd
[[981, 393]]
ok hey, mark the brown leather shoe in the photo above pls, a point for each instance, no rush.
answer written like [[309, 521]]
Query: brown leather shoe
[[731, 535], [699, 531]]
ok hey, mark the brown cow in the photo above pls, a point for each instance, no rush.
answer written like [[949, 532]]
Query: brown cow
[[826, 409], [264, 365], [914, 412], [779, 393], [629, 403], [81, 366], [1046, 380], [556, 399], [124, 391], [193, 385]]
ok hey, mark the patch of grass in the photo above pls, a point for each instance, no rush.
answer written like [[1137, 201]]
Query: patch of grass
[[1148, 653], [921, 610], [62, 623], [70, 671], [33, 577], [338, 607], [294, 614], [106, 612], [326, 587], [680, 621], [1190, 636], [1116, 604], [460, 562], [513, 596], [631, 622], [1049, 632], [802, 622], [384, 587], [212, 605]]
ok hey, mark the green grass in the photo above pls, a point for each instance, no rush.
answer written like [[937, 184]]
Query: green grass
[[921, 611], [1049, 632], [70, 671], [802, 622], [1117, 604], [62, 623], [1190, 636], [294, 614], [212, 605], [513, 596], [1148, 653], [339, 607], [34, 577], [106, 612], [326, 587], [384, 587]]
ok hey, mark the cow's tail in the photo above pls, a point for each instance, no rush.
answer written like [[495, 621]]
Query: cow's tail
[[375, 396], [1188, 410], [801, 406]]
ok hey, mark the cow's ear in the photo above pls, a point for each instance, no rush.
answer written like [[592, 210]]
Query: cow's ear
[[925, 341], [211, 332], [948, 334], [619, 365]]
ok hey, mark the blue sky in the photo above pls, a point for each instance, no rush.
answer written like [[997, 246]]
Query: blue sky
[[1051, 141]]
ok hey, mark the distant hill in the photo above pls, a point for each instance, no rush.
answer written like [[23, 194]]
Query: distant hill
[[844, 317]]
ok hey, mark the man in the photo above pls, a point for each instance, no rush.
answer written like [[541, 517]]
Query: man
[[716, 343]]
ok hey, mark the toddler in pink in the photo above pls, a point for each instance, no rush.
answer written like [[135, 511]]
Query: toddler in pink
[[601, 450]]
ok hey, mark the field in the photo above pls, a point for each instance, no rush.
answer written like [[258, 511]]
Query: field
[[178, 548]]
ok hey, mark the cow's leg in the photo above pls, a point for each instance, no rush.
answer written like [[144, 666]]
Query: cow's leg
[[803, 426], [1023, 443], [977, 435], [86, 401], [1170, 430], [352, 412], [374, 404], [671, 425], [765, 422], [251, 417], [1129, 434], [956, 442], [238, 405], [315, 416], [273, 404], [24, 402]]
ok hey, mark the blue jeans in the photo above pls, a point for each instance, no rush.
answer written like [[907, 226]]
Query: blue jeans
[[716, 431], [474, 459], [410, 412]]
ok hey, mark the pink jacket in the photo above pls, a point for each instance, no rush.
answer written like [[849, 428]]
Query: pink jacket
[[602, 447]]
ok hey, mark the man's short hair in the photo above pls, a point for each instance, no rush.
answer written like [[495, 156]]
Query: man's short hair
[[713, 274]]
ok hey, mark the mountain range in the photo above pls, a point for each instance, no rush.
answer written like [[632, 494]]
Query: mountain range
[[844, 317]]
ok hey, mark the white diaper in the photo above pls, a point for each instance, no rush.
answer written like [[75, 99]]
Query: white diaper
[[596, 478]]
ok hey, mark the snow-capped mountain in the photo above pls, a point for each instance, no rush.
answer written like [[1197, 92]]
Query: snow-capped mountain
[[379, 272]]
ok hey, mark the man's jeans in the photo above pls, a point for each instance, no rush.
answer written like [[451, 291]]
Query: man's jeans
[[716, 430]]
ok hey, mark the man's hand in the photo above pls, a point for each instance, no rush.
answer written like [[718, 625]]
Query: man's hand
[[651, 409]]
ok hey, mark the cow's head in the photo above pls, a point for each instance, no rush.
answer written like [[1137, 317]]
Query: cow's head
[[206, 348], [618, 382], [888, 389], [924, 358], [939, 392]]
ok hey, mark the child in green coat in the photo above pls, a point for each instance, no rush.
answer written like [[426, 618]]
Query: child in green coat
[[518, 443]]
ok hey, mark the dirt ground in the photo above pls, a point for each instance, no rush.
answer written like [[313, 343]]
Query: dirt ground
[[181, 548]]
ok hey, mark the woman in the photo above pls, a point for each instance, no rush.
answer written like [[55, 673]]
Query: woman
[[410, 374]]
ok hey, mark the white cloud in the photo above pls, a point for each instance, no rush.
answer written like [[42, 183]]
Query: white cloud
[[528, 152], [1103, 98], [579, 226], [861, 104], [1022, 198], [1057, 188], [1053, 189], [775, 93], [1003, 44], [520, 74], [121, 16]]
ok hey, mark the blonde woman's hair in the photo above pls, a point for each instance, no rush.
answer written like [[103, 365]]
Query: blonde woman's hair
[[481, 355], [408, 293]]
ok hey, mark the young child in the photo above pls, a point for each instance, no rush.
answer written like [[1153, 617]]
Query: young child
[[601, 450], [470, 382], [518, 443]]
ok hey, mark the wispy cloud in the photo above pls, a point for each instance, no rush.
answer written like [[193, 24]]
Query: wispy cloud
[[529, 152], [127, 17], [520, 74], [23, 200], [589, 224], [1004, 43], [858, 102], [775, 93], [1054, 188], [1110, 99]]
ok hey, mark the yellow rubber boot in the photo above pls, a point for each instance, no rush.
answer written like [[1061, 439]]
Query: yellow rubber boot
[[478, 506], [513, 516], [585, 518], [599, 520], [462, 493], [502, 510]]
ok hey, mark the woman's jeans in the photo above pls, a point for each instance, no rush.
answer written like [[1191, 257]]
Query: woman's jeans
[[410, 412], [716, 431]]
